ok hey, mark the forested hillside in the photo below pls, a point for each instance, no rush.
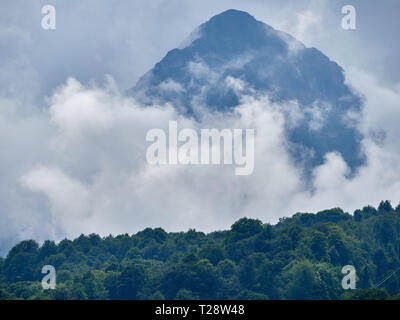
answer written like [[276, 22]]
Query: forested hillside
[[298, 258]]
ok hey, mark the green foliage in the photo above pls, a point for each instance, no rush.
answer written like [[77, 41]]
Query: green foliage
[[366, 294], [298, 258]]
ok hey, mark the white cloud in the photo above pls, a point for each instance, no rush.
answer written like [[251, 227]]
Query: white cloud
[[68, 198], [307, 22], [382, 107], [92, 175], [171, 86]]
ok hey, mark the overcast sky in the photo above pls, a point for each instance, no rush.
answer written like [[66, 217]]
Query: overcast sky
[[71, 151], [126, 38]]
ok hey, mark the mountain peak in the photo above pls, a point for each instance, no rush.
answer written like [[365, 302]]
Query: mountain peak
[[233, 15], [233, 44], [234, 30]]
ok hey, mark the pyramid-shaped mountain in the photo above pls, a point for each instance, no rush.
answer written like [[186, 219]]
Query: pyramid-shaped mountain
[[232, 55]]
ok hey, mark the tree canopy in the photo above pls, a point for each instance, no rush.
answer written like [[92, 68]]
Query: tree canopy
[[298, 258]]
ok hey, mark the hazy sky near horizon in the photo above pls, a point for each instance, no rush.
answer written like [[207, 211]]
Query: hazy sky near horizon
[[64, 171]]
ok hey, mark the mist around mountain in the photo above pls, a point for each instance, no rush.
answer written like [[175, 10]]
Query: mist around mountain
[[233, 56], [228, 59]]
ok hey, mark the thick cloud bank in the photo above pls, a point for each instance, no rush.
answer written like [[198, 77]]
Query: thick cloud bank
[[79, 166]]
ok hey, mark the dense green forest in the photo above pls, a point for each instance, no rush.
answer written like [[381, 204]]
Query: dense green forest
[[298, 258]]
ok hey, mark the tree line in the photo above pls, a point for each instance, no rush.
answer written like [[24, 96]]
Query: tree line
[[298, 258]]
